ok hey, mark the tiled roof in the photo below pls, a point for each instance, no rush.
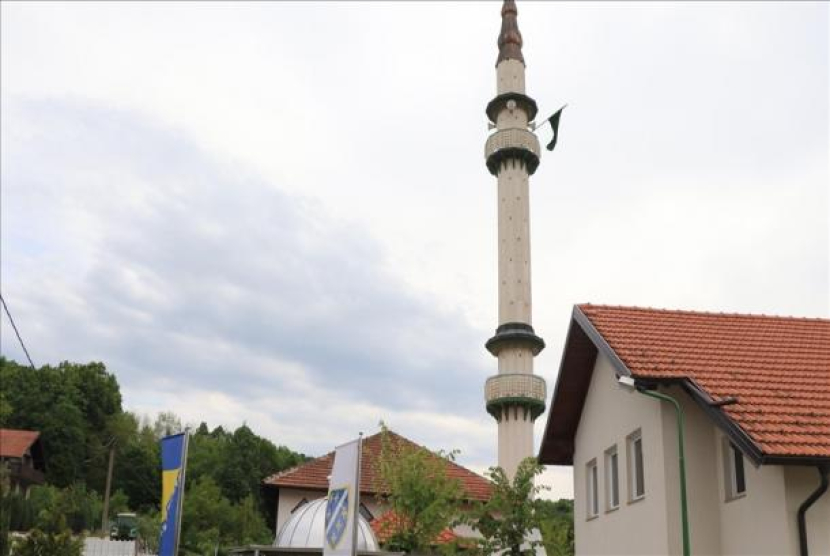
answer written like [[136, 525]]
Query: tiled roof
[[14, 443], [314, 474], [778, 368], [389, 523]]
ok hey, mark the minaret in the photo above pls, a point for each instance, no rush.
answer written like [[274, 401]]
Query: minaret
[[515, 396]]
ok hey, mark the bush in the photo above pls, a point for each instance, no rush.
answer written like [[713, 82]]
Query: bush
[[39, 543]]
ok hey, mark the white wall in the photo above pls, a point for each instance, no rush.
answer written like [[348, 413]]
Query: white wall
[[761, 522], [800, 483], [290, 497], [610, 414], [701, 474]]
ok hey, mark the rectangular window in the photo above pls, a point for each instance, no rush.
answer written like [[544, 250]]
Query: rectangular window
[[592, 489], [636, 471], [612, 479], [734, 472]]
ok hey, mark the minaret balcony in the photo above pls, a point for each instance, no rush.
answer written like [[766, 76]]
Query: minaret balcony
[[527, 391], [512, 144]]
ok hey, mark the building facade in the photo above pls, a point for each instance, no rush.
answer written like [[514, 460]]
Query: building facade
[[307, 482], [21, 452], [755, 395]]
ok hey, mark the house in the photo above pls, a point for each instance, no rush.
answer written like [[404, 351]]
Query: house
[[755, 393], [300, 485], [22, 453]]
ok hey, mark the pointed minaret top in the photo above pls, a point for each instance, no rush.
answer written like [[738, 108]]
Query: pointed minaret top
[[510, 39]]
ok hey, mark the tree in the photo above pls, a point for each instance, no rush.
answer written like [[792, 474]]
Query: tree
[[39, 543], [508, 518], [557, 526], [5, 509], [214, 522], [238, 462], [71, 406], [415, 487], [136, 470]]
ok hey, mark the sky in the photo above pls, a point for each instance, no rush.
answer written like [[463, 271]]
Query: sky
[[279, 213]]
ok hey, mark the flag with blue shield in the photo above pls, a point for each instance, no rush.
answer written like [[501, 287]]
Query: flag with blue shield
[[343, 501]]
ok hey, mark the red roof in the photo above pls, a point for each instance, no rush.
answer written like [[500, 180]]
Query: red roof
[[389, 523], [14, 443], [778, 368], [314, 474]]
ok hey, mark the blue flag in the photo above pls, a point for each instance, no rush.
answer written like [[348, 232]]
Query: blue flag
[[173, 462]]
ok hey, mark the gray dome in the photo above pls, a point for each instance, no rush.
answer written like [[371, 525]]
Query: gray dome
[[306, 529]]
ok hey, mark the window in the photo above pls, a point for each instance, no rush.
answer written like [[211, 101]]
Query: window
[[636, 473], [733, 471], [612, 479], [364, 511], [593, 489]]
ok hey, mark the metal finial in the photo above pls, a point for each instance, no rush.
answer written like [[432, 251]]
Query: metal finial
[[510, 39]]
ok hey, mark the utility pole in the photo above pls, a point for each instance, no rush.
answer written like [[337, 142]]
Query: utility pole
[[106, 511]]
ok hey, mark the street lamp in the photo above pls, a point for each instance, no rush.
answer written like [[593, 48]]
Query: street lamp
[[630, 383]]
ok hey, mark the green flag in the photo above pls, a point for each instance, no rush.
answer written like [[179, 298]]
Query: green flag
[[554, 124]]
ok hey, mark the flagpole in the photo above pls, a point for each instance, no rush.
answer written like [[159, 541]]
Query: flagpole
[[538, 125], [356, 519], [181, 493]]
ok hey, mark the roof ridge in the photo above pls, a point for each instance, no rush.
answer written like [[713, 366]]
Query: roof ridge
[[299, 475], [583, 306]]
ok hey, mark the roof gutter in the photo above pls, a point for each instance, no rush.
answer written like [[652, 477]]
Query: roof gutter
[[823, 471], [711, 407]]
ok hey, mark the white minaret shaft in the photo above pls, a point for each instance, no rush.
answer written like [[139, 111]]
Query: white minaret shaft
[[515, 396]]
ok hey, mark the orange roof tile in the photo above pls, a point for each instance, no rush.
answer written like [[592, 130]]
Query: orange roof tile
[[778, 368], [314, 474], [14, 443], [389, 523]]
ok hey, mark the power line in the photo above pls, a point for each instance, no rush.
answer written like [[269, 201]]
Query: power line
[[11, 320]]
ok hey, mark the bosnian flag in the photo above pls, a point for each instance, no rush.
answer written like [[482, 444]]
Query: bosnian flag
[[343, 501], [173, 462]]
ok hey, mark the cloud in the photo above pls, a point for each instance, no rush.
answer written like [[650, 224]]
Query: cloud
[[185, 274]]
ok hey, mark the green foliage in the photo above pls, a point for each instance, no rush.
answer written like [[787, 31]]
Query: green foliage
[[238, 462], [71, 405], [5, 509], [415, 486], [77, 409], [40, 543], [53, 509], [136, 470], [149, 529], [557, 526], [214, 521], [507, 519]]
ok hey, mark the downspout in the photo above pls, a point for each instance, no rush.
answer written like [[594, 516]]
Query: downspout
[[802, 509], [684, 512]]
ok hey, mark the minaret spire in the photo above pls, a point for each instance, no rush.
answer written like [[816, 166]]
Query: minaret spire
[[510, 38], [515, 397]]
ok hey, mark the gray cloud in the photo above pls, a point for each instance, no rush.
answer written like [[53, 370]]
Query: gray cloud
[[183, 249]]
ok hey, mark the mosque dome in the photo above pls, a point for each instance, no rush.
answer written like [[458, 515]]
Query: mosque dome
[[306, 529]]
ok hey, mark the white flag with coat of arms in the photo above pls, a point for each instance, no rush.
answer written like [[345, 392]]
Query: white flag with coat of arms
[[343, 501]]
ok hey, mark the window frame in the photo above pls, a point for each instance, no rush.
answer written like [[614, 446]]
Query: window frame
[[299, 505], [366, 512], [635, 475], [592, 489], [612, 479], [734, 471]]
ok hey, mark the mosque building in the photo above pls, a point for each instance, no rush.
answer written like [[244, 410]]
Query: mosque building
[[515, 397]]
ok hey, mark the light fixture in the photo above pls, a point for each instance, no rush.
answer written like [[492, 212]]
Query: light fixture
[[627, 382]]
